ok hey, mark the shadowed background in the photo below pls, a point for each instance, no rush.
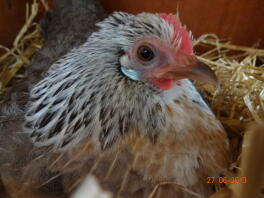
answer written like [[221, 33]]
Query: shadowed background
[[239, 20]]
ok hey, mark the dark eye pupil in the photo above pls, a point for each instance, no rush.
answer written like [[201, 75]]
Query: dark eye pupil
[[145, 53]]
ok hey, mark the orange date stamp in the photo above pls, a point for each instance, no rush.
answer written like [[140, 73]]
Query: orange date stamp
[[226, 180]]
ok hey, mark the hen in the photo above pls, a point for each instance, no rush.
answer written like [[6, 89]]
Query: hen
[[120, 107]]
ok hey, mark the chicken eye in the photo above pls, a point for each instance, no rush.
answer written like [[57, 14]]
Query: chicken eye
[[145, 53]]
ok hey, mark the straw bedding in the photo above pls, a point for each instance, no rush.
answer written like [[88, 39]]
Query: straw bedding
[[238, 101]]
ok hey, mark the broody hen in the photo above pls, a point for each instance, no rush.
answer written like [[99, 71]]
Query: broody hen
[[120, 107]]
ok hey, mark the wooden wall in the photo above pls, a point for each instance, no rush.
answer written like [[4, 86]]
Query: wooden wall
[[239, 20], [12, 17]]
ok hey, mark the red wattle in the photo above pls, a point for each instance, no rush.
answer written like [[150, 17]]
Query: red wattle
[[163, 83]]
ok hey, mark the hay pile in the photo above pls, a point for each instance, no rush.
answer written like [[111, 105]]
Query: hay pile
[[237, 102], [239, 99], [240, 70], [26, 43]]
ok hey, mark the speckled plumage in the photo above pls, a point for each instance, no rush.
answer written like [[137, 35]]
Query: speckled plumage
[[62, 30], [87, 117], [86, 90], [86, 100]]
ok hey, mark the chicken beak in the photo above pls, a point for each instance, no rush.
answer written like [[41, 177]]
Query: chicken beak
[[195, 70], [201, 72]]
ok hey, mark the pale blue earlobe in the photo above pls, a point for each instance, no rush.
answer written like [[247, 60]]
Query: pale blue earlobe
[[131, 73]]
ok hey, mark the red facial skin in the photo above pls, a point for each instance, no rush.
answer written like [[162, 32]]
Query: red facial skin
[[173, 61], [166, 58], [185, 48]]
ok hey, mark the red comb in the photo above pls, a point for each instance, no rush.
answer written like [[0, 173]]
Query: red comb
[[186, 44]]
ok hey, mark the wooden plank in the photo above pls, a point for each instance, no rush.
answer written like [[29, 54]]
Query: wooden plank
[[12, 18], [239, 20]]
